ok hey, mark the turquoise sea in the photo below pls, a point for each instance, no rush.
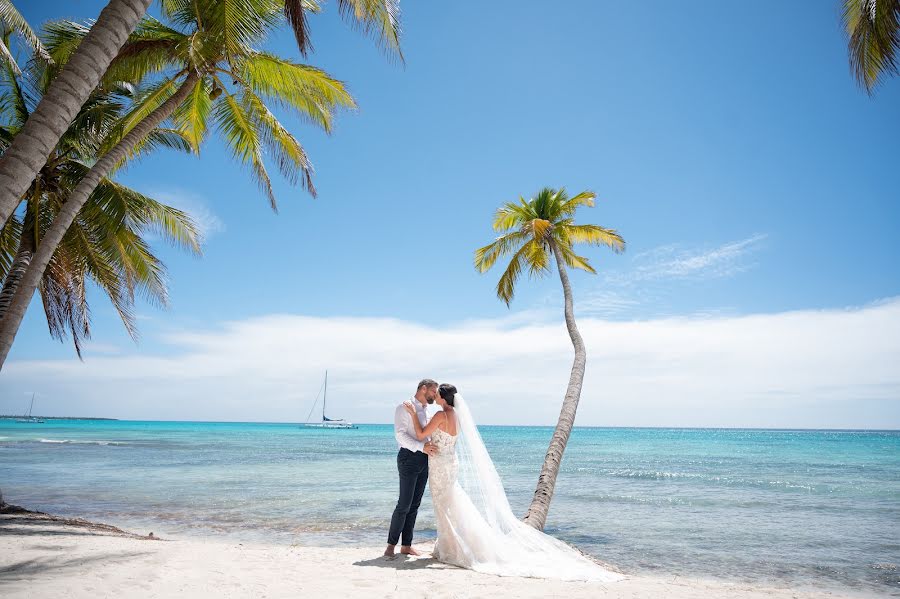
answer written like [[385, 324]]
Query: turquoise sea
[[802, 508]]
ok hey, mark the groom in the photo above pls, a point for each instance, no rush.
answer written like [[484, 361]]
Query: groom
[[412, 464]]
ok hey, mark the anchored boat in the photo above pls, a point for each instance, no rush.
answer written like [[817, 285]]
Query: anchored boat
[[326, 421]]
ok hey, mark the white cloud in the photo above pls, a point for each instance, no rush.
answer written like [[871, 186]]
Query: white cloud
[[814, 368]]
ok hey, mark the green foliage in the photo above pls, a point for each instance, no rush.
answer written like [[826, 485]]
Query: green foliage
[[108, 243], [11, 22], [873, 29], [532, 230]]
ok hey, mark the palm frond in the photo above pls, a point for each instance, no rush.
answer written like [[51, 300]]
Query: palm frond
[[144, 214], [9, 243], [149, 50], [313, 93], [570, 205], [295, 12], [61, 39], [506, 286], [873, 29], [594, 235], [243, 138], [573, 260], [13, 20], [238, 24], [510, 216], [191, 117], [380, 18], [487, 256], [289, 155]]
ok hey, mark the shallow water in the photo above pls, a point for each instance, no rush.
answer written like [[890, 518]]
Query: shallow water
[[803, 508]]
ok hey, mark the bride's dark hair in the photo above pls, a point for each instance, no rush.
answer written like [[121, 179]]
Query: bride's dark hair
[[447, 392]]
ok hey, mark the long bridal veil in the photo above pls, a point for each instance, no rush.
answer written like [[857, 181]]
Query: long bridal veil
[[491, 536]]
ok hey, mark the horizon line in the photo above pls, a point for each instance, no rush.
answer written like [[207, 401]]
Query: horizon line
[[548, 426]]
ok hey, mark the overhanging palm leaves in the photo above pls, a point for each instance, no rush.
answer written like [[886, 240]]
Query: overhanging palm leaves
[[108, 242], [211, 45], [238, 86], [873, 28], [532, 230]]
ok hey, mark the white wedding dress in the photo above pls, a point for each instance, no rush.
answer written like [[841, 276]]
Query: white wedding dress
[[476, 527]]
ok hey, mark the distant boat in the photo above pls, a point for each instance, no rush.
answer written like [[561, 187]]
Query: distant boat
[[28, 417], [326, 421]]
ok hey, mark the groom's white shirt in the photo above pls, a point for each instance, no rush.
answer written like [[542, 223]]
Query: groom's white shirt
[[404, 430]]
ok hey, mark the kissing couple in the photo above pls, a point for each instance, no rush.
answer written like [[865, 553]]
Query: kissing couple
[[476, 528]]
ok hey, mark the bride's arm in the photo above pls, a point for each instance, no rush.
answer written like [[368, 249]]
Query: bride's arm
[[421, 433]]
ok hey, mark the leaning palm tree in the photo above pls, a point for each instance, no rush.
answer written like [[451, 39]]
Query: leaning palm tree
[[28, 153], [208, 72], [531, 232], [873, 29], [107, 243]]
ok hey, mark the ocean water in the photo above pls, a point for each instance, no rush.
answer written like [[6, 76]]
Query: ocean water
[[814, 509]]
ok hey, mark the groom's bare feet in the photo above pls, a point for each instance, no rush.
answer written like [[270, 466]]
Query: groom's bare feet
[[408, 551], [389, 552]]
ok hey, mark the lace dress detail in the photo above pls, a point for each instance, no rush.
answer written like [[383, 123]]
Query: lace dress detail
[[443, 469]]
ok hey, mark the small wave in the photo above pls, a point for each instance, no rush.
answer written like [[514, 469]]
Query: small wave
[[718, 479], [80, 441]]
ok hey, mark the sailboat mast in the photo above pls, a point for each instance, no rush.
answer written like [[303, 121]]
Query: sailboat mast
[[31, 407], [325, 396]]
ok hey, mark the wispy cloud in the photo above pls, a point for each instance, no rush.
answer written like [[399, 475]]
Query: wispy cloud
[[644, 285], [207, 221], [676, 261], [813, 368]]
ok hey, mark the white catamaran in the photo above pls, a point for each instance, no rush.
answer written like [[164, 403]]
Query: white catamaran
[[28, 417], [326, 421]]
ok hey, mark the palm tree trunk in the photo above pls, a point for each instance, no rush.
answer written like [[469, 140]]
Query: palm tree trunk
[[540, 504], [12, 318], [58, 107]]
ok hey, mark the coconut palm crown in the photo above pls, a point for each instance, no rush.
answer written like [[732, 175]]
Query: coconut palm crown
[[533, 230]]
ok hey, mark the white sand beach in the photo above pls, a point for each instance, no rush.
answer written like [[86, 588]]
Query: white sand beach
[[42, 556]]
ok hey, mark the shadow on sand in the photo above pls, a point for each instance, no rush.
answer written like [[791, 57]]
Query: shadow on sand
[[403, 562]]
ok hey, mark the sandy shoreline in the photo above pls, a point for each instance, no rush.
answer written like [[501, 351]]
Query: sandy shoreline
[[44, 556]]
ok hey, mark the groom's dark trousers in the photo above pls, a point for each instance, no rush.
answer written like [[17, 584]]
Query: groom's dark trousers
[[413, 469]]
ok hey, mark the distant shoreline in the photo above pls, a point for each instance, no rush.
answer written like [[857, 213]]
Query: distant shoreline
[[11, 417]]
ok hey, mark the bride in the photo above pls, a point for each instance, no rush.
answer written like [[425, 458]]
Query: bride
[[476, 527]]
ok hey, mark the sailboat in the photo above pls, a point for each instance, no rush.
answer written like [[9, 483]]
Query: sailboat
[[28, 417], [326, 421]]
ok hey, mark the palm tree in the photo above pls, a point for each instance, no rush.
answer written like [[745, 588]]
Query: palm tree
[[12, 22], [873, 28], [531, 232], [209, 70], [28, 153], [106, 243]]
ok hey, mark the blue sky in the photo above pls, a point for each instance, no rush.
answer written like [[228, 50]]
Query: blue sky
[[727, 142]]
